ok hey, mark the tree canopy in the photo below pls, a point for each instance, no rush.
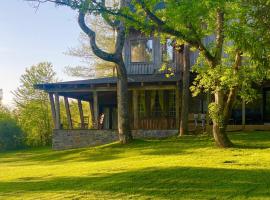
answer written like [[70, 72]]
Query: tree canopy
[[32, 106]]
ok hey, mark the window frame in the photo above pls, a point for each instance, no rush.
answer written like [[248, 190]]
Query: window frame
[[138, 40], [162, 52]]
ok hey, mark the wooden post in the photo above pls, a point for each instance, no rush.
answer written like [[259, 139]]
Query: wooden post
[[177, 106], [243, 113], [70, 125], [53, 109], [135, 110], [57, 115], [91, 108], [208, 101], [96, 108], [81, 113]]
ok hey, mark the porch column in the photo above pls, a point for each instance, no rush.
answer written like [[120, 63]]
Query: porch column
[[243, 113], [96, 108], [177, 106], [135, 109], [58, 115], [51, 97], [91, 108], [81, 113], [208, 101], [70, 125]]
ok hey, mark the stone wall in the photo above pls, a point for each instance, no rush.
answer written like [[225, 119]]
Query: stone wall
[[71, 139]]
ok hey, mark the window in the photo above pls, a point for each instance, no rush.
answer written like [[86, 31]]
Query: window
[[141, 51], [167, 51]]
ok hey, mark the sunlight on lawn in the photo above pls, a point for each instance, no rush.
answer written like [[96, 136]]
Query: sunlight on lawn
[[185, 168]]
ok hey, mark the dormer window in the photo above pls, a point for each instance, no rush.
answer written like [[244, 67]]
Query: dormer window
[[168, 51], [141, 51]]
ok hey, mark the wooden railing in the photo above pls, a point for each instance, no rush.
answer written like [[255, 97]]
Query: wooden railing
[[140, 68], [149, 68], [161, 123]]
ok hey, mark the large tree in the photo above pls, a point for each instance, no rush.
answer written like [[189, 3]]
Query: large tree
[[220, 32], [33, 107], [88, 7]]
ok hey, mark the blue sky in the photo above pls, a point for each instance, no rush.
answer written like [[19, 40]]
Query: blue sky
[[29, 36]]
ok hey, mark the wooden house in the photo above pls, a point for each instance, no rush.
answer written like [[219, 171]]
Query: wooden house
[[153, 95]]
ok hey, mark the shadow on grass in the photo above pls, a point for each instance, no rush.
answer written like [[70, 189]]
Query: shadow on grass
[[153, 183]]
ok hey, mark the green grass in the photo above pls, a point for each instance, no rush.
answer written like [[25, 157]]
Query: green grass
[[186, 168]]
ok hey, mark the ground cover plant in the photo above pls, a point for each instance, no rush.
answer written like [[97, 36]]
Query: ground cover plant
[[175, 168]]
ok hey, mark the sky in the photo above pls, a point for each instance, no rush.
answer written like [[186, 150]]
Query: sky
[[29, 36]]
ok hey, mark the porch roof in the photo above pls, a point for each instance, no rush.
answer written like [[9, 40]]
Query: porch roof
[[100, 82]]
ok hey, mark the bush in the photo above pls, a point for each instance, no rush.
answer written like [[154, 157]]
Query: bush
[[11, 135]]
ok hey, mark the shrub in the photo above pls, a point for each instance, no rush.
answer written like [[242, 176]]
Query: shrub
[[11, 135]]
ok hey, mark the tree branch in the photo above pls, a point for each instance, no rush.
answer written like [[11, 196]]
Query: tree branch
[[233, 91], [219, 36], [92, 36]]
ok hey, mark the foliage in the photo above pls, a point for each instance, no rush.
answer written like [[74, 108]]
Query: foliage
[[11, 135], [32, 106], [196, 170]]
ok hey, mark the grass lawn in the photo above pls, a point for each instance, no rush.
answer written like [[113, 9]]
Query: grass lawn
[[187, 168]]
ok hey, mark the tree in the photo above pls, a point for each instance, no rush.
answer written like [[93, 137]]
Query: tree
[[32, 106], [220, 32], [185, 91], [11, 135], [258, 17], [84, 8]]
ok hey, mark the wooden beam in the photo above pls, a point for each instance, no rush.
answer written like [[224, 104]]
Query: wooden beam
[[96, 108], [91, 108], [51, 97], [70, 125], [108, 89], [57, 115], [177, 107], [81, 113], [243, 113], [135, 109], [208, 101]]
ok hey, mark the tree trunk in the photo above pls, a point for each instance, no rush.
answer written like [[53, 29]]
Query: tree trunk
[[124, 131], [220, 136], [220, 121], [185, 92]]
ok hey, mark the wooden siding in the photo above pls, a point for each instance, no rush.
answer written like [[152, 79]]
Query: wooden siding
[[140, 68]]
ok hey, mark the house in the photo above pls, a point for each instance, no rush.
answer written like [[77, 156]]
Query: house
[[153, 95]]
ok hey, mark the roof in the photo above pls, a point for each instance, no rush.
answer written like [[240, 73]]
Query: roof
[[110, 80]]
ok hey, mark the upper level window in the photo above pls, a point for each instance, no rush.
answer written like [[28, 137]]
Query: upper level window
[[167, 51], [141, 51]]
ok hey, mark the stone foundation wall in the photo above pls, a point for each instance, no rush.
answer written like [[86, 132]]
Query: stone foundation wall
[[71, 139]]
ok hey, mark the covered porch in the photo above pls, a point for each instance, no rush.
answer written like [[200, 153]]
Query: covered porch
[[154, 103]]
